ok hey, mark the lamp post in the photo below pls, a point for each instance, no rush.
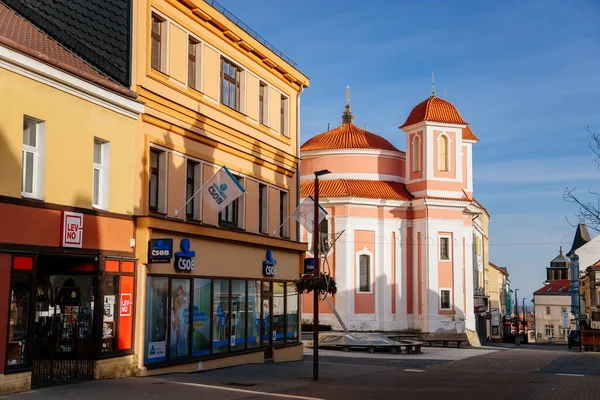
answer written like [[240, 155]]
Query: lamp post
[[517, 310], [316, 272], [524, 318]]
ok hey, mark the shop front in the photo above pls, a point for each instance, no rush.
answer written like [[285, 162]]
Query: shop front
[[211, 303], [66, 302]]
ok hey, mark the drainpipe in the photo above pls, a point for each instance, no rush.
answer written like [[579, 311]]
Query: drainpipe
[[298, 156]]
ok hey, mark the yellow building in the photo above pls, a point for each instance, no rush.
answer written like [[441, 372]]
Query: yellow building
[[481, 271], [496, 279], [67, 134], [215, 96]]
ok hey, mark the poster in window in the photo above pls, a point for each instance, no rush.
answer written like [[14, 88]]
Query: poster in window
[[201, 321], [156, 320], [126, 312], [180, 317], [109, 307]]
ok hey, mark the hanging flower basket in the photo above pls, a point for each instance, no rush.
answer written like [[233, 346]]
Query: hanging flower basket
[[322, 283]]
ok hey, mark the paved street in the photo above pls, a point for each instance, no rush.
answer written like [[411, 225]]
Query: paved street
[[529, 372]]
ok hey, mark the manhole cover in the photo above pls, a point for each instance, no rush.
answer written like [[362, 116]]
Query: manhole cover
[[240, 384]]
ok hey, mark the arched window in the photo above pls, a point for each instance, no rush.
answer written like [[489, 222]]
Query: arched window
[[443, 160], [416, 154]]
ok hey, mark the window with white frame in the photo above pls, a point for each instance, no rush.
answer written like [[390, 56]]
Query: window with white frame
[[263, 208], [158, 46], [284, 117], [444, 248], [263, 103], [364, 273], [443, 144], [157, 182], [194, 63], [547, 310], [283, 214], [101, 177], [193, 174], [416, 154], [549, 330], [445, 303], [32, 179]]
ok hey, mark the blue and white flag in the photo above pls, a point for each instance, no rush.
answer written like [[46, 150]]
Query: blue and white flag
[[222, 189], [305, 214]]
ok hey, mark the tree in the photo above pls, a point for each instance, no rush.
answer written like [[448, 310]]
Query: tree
[[589, 211]]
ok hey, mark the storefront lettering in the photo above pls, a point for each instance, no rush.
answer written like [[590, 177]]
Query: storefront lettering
[[72, 232], [126, 304], [160, 251]]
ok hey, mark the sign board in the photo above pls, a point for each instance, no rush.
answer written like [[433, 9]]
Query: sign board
[[269, 268], [160, 251], [72, 229], [309, 265], [495, 317], [184, 259]]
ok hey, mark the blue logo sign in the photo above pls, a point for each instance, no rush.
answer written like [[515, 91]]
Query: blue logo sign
[[160, 251], [269, 268], [184, 259], [309, 265]]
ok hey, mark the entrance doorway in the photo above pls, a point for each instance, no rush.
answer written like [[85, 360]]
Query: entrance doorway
[[266, 319], [64, 321]]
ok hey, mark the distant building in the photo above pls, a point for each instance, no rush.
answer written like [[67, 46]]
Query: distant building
[[499, 308]]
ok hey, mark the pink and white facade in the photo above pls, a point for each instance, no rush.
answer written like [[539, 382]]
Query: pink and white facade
[[406, 257]]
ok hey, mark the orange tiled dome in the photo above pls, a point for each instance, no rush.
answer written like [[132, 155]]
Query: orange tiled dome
[[360, 188], [347, 136], [434, 109]]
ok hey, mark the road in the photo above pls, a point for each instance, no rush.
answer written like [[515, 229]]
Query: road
[[529, 372]]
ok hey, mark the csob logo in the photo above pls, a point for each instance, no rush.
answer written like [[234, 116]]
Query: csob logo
[[218, 192], [269, 268], [184, 259]]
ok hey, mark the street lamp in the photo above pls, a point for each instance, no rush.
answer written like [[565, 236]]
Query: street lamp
[[524, 318], [316, 272], [517, 310]]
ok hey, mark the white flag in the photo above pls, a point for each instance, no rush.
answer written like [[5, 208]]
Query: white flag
[[305, 213], [220, 190]]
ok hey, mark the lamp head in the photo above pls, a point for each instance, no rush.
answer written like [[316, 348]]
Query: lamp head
[[322, 172]]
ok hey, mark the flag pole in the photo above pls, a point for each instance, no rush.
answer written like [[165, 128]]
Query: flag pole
[[190, 199]]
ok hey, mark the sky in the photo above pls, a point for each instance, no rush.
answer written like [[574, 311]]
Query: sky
[[524, 74]]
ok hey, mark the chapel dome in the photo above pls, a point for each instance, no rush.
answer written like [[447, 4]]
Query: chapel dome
[[434, 109], [347, 136]]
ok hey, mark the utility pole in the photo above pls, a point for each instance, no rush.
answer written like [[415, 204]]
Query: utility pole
[[517, 338], [523, 321]]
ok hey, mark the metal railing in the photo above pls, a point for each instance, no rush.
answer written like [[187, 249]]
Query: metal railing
[[249, 31]]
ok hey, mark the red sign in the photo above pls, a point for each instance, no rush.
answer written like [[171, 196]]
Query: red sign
[[72, 229], [126, 312]]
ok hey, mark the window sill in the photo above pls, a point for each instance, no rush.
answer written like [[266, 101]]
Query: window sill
[[100, 208], [286, 344], [194, 221], [157, 213], [232, 109], [31, 197], [192, 359]]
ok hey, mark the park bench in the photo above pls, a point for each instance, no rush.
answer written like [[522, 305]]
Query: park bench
[[409, 346], [444, 338]]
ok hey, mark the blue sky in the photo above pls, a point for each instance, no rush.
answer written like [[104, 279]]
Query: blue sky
[[525, 74]]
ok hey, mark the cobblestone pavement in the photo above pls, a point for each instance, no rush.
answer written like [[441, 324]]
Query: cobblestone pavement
[[507, 373]]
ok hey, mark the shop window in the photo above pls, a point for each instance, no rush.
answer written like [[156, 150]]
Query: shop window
[[263, 208], [21, 286], [254, 305], [157, 319], [291, 313], [117, 316], [32, 179], [201, 322], [278, 312], [238, 314], [179, 321], [220, 316]]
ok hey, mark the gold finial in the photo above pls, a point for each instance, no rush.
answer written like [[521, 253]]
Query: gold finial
[[347, 95], [432, 84]]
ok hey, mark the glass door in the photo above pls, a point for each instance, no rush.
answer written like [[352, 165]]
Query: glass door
[[265, 334]]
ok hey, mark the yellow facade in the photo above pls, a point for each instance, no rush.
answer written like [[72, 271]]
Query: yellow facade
[[71, 124], [182, 51]]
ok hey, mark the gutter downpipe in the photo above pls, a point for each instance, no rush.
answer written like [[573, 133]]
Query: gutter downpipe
[[298, 156]]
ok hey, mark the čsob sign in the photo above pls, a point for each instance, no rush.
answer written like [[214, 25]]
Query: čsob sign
[[184, 259], [160, 251], [269, 268]]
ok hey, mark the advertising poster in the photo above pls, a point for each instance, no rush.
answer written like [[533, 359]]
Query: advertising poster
[[495, 317], [179, 323], [156, 319], [109, 308]]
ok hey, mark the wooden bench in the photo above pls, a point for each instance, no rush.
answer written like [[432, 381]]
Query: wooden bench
[[410, 347], [444, 338]]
